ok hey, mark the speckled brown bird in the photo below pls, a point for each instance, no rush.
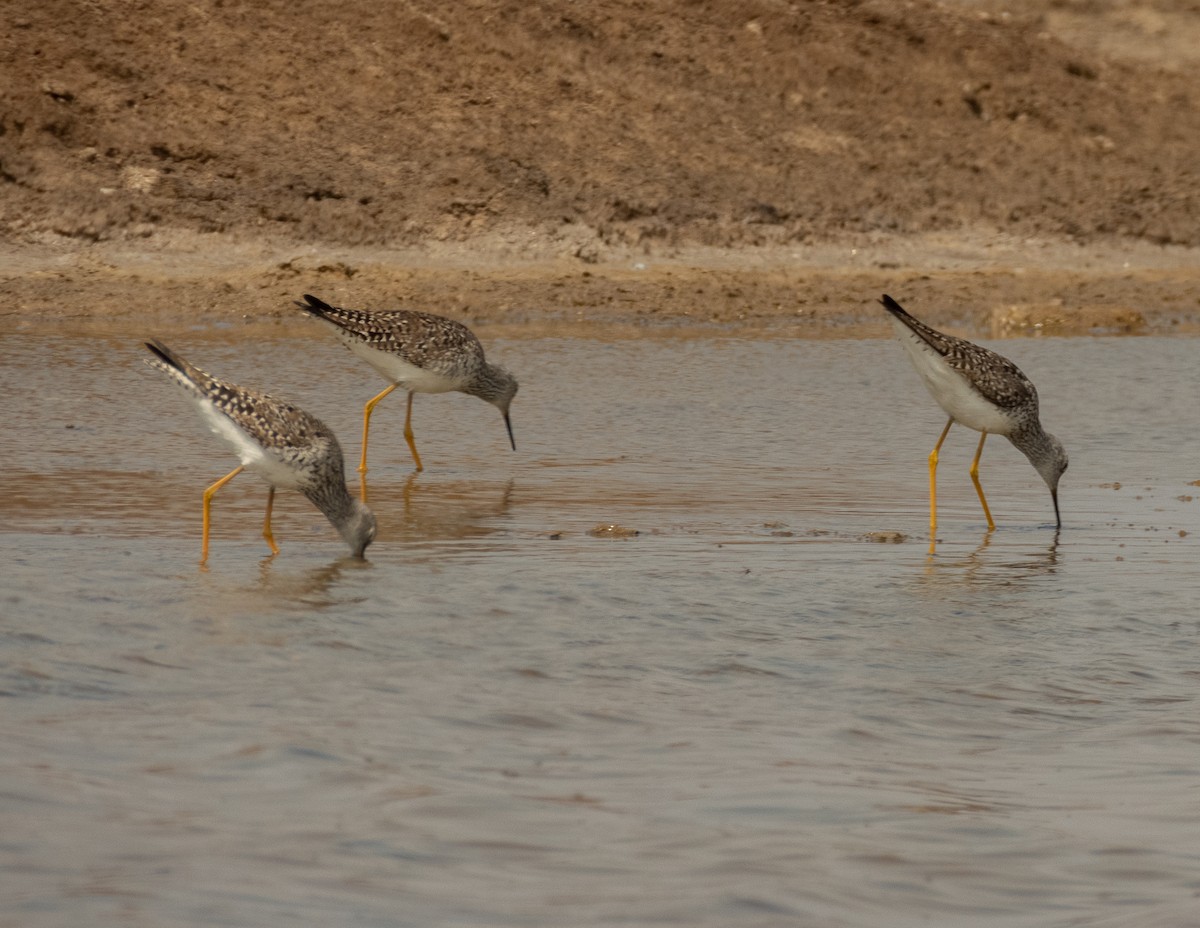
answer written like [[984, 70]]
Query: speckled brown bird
[[983, 391], [280, 442], [420, 352]]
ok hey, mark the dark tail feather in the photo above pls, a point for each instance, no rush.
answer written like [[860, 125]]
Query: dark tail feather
[[314, 306], [893, 307], [165, 354]]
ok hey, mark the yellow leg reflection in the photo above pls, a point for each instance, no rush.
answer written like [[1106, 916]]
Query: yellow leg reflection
[[978, 486], [408, 434], [933, 462], [208, 495], [371, 404], [972, 561], [407, 493], [267, 523]]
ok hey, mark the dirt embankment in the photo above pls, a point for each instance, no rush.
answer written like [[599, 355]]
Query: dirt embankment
[[580, 136]]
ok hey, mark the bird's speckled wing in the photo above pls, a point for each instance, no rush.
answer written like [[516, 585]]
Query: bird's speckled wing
[[993, 375], [276, 425], [432, 343]]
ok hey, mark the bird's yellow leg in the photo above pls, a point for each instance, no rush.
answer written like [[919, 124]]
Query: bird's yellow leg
[[933, 461], [267, 523], [408, 434], [208, 495], [371, 404], [978, 486]]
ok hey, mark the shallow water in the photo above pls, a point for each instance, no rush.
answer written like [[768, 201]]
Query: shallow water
[[747, 714]]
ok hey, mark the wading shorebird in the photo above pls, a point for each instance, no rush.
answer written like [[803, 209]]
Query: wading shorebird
[[420, 352], [983, 391], [284, 445]]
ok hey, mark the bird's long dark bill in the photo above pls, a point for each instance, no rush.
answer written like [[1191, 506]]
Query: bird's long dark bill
[[1057, 517], [508, 425]]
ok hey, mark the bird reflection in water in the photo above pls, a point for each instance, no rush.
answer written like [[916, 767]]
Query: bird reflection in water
[[1007, 563], [313, 588], [424, 509]]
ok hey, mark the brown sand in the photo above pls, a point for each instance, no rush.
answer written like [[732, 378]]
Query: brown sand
[[565, 166]]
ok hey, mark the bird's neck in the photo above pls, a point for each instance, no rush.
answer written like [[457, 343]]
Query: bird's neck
[[334, 500], [1039, 446], [489, 385]]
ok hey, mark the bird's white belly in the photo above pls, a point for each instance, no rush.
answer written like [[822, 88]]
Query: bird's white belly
[[396, 370], [954, 393], [252, 455], [966, 405]]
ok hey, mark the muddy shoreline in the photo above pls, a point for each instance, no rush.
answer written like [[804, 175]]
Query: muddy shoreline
[[983, 286]]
